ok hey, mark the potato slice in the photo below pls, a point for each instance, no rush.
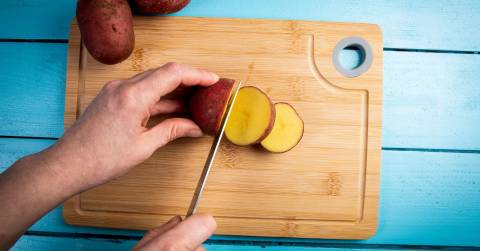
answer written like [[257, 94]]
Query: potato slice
[[252, 117], [287, 130]]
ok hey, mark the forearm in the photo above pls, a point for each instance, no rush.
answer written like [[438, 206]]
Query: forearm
[[28, 190]]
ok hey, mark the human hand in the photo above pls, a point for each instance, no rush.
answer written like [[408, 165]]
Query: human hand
[[108, 139], [179, 235], [111, 136]]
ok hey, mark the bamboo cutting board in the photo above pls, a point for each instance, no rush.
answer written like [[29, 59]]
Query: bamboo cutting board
[[326, 187]]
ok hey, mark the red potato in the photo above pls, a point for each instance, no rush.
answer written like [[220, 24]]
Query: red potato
[[253, 119], [207, 104], [107, 29], [160, 6]]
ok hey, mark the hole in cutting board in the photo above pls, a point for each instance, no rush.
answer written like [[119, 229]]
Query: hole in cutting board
[[351, 57]]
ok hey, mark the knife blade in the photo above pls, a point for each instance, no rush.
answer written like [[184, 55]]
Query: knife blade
[[211, 155]]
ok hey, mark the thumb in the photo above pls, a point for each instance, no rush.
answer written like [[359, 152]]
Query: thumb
[[171, 129], [157, 231], [186, 235]]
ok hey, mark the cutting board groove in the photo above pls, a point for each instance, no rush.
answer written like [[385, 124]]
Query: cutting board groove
[[326, 187]]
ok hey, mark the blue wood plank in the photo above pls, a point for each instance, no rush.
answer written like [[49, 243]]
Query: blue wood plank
[[426, 198], [32, 89], [431, 100], [13, 149], [73, 244], [429, 198], [406, 24], [93, 244], [36, 19]]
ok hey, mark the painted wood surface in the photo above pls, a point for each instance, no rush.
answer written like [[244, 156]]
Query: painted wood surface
[[430, 99], [28, 243], [426, 198], [32, 89], [433, 213], [406, 24]]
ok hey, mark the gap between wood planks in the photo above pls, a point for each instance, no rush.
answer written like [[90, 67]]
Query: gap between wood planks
[[359, 246], [65, 41], [399, 149]]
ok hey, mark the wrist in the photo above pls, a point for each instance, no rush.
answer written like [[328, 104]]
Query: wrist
[[54, 168], [30, 188]]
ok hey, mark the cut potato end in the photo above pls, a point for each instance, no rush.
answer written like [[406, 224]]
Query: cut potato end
[[207, 104], [287, 130], [251, 118]]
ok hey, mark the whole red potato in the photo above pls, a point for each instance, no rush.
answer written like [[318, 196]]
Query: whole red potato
[[107, 29], [160, 6]]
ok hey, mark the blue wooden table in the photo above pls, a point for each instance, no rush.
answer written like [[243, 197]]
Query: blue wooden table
[[430, 177]]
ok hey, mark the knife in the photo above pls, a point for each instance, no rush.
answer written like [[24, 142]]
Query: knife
[[211, 155]]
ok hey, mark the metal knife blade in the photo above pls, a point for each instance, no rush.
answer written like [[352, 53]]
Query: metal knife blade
[[211, 155]]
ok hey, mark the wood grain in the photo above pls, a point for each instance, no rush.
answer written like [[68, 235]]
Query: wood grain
[[327, 187]]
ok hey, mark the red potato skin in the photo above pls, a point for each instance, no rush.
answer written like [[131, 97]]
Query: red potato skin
[[207, 104], [160, 6], [107, 29]]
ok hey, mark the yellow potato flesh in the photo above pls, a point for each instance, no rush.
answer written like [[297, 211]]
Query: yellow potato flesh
[[250, 117], [287, 130]]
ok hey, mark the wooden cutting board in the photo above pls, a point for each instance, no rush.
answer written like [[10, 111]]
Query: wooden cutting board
[[326, 187]]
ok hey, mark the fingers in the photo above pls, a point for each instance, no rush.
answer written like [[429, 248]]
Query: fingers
[[169, 130], [187, 235], [167, 78], [140, 75], [158, 231], [165, 106]]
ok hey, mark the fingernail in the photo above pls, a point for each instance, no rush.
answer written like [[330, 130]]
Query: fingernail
[[214, 76], [174, 219], [195, 133], [210, 222]]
